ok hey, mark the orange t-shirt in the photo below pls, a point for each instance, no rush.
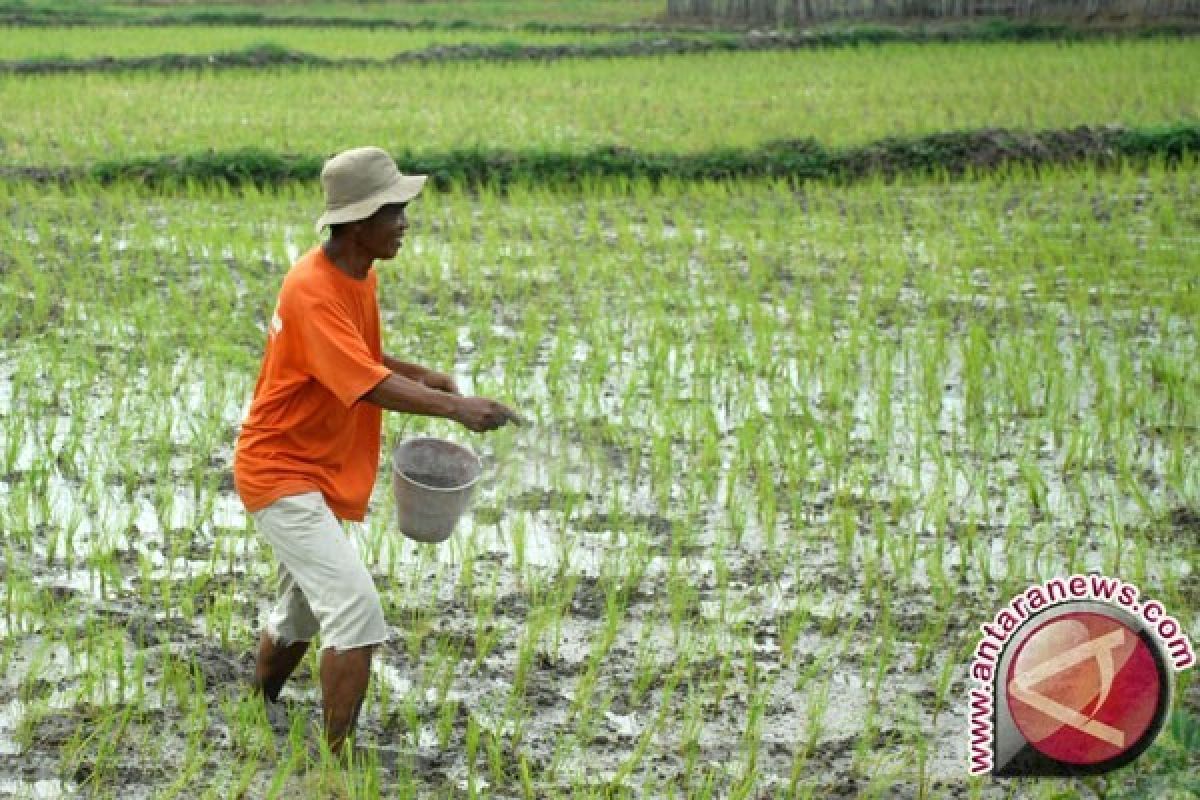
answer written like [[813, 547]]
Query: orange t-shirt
[[307, 429]]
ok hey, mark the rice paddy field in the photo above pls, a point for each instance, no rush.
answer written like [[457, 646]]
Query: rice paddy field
[[458, 13], [790, 444], [95, 41], [680, 104]]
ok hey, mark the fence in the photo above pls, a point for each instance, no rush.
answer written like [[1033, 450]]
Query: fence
[[804, 12]]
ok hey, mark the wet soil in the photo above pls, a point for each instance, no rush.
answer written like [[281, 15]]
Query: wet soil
[[420, 736], [840, 659]]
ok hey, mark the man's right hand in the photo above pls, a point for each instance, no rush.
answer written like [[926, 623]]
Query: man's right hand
[[481, 414]]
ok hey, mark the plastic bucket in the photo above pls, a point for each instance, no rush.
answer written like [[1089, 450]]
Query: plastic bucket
[[432, 480]]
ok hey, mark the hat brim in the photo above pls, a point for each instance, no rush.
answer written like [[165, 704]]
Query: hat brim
[[404, 189]]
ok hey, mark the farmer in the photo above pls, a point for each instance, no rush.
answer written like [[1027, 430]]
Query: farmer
[[308, 451]]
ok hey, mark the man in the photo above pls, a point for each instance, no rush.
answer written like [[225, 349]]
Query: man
[[308, 452]]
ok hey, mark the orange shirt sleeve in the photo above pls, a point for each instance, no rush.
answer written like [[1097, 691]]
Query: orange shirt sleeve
[[336, 354]]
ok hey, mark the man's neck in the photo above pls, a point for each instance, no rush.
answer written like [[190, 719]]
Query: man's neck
[[347, 257]]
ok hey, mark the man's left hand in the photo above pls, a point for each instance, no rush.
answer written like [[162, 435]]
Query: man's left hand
[[440, 381]]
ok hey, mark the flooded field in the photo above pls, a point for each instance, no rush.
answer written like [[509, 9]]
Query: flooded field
[[788, 450]]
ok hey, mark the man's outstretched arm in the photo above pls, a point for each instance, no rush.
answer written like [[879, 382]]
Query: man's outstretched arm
[[399, 393]]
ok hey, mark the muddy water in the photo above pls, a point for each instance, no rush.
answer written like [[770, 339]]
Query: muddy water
[[175, 576], [484, 688]]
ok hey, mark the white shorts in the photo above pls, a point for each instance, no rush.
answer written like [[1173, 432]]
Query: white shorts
[[323, 585]]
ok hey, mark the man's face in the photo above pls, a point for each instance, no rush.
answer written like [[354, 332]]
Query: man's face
[[382, 233]]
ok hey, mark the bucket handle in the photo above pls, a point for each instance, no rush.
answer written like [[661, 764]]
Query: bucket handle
[[485, 469]]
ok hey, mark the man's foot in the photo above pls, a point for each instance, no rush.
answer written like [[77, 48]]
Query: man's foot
[[279, 714]]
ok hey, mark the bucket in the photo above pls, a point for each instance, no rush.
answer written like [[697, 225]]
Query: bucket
[[432, 480]]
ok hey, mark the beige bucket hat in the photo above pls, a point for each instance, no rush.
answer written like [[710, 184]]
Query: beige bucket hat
[[358, 182]]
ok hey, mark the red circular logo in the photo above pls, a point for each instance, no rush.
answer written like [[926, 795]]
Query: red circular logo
[[1083, 688]]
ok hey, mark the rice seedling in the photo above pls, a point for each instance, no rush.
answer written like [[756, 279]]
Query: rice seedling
[[778, 460], [580, 106]]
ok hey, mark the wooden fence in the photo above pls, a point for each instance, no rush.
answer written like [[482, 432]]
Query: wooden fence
[[804, 12]]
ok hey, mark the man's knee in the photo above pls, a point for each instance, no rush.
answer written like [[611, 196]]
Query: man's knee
[[367, 608], [358, 621]]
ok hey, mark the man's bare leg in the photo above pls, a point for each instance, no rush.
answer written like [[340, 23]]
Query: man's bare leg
[[344, 676], [275, 664]]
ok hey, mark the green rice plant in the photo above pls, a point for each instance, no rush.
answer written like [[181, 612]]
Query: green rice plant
[[447, 713], [288, 766], [1036, 361], [497, 759], [692, 725], [534, 628], [471, 743], [818, 699], [526, 777], [977, 86], [646, 738], [751, 737], [75, 42], [189, 776], [518, 543], [646, 672]]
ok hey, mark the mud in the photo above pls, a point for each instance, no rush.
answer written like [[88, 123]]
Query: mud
[[816, 641], [419, 739]]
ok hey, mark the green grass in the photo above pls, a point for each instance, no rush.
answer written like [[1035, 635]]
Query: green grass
[[958, 154], [123, 42], [839, 97], [503, 13], [790, 448]]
